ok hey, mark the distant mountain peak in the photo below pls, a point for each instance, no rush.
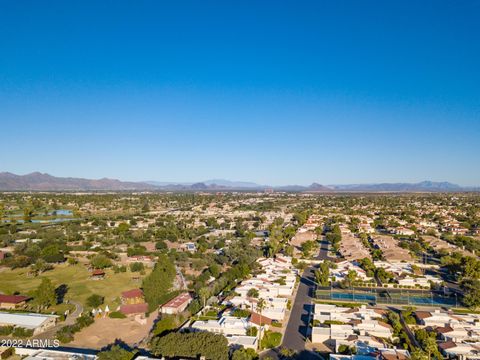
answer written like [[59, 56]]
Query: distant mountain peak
[[318, 187], [37, 181]]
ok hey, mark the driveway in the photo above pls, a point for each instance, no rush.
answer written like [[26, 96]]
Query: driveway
[[70, 320]]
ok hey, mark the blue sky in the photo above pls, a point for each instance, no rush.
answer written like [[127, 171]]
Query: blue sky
[[277, 92]]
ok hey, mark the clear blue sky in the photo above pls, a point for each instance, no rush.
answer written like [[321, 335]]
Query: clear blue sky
[[277, 92]]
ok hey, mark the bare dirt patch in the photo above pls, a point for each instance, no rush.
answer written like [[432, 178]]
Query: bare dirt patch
[[105, 331]]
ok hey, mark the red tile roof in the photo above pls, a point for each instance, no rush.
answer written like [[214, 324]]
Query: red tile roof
[[444, 329], [422, 314], [98, 272], [132, 294], [178, 301], [447, 345], [12, 299], [129, 309], [255, 318]]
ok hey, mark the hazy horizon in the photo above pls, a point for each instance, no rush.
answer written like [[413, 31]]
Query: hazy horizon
[[213, 180]]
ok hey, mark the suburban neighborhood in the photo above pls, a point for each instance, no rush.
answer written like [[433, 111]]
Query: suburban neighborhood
[[256, 275]]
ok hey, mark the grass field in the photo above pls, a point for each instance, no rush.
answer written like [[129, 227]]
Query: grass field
[[76, 277]]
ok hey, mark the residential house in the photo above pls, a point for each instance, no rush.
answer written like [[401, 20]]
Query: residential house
[[134, 296], [32, 321], [12, 301], [177, 304]]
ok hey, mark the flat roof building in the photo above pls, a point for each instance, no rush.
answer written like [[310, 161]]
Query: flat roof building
[[32, 321]]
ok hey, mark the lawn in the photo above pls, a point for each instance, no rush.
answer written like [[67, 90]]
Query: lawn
[[77, 278]]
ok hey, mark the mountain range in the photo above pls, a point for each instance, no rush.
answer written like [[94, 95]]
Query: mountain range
[[37, 181]]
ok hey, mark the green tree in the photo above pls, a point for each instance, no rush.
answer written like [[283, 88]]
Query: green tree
[[204, 294], [253, 293], [212, 346], [41, 266], [322, 274], [156, 286], [45, 294], [418, 354], [260, 307], [471, 290], [115, 353], [100, 262], [244, 354], [95, 300], [27, 214]]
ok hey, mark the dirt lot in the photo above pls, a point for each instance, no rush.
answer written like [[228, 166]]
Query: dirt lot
[[105, 331]]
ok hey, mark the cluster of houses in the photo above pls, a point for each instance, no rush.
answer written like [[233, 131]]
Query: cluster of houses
[[460, 333], [338, 326], [342, 268], [367, 352], [272, 286], [133, 303], [405, 274], [390, 248], [351, 247]]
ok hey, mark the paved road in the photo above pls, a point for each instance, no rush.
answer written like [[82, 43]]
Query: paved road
[[297, 329], [70, 320], [323, 254]]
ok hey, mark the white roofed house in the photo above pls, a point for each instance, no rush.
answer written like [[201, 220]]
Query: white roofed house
[[418, 281], [436, 318], [274, 283], [457, 350], [234, 329], [51, 354], [31, 321], [343, 267], [461, 335], [347, 326], [226, 325], [403, 231]]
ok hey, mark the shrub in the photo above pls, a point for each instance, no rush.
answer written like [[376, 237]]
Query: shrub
[[252, 331], [244, 354], [84, 321], [66, 334], [136, 267], [117, 315], [241, 313], [22, 332], [6, 330]]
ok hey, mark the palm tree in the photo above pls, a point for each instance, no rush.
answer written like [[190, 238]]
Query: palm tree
[[204, 293], [260, 306]]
